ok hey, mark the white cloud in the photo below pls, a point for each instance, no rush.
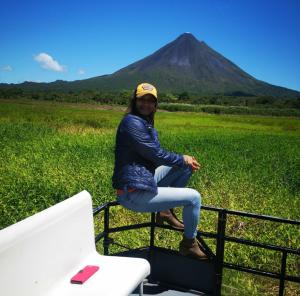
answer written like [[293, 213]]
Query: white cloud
[[47, 62], [37, 81], [81, 71], [7, 68]]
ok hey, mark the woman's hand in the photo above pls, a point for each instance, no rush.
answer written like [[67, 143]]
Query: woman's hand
[[191, 160]]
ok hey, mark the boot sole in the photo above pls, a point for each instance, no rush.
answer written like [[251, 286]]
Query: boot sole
[[193, 256], [179, 228], [160, 221]]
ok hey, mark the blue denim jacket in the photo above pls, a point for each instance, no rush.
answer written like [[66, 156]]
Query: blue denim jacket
[[138, 154]]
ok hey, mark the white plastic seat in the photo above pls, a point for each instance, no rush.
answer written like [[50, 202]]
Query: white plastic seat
[[40, 254]]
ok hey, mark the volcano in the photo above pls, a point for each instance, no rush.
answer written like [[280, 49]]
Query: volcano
[[185, 64]]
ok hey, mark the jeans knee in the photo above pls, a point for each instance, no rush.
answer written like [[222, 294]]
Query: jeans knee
[[196, 200]]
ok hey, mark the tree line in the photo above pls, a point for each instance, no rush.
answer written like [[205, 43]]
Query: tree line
[[123, 97]]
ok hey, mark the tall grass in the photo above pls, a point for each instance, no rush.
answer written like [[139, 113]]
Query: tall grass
[[50, 151]]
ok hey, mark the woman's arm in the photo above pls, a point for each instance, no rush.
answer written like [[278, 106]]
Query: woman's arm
[[143, 143]]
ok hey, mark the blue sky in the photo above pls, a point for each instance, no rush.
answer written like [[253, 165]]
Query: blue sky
[[70, 40]]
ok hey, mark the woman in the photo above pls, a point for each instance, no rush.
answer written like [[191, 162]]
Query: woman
[[149, 178]]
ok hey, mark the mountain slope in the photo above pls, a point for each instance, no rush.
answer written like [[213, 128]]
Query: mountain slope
[[185, 64]]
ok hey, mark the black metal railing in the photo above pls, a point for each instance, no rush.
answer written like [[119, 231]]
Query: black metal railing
[[220, 237]]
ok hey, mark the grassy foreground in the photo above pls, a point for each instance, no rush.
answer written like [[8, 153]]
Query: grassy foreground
[[50, 151]]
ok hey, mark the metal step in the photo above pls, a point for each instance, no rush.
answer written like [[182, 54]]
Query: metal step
[[174, 274]]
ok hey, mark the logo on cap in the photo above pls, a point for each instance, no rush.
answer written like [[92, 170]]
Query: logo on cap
[[147, 87]]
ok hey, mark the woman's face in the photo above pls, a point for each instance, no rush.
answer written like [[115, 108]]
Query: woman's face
[[146, 104]]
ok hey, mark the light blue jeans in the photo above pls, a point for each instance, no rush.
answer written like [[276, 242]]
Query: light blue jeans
[[171, 193]]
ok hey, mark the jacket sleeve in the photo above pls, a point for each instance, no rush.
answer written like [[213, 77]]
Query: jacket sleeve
[[142, 142]]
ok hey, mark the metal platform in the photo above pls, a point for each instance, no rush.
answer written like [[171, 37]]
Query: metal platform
[[168, 267], [174, 274]]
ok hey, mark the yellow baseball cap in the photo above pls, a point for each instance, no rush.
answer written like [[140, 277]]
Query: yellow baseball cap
[[145, 88]]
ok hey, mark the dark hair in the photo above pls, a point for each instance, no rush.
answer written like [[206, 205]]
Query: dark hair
[[133, 110]]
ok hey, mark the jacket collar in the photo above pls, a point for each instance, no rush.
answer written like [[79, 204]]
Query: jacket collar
[[140, 118]]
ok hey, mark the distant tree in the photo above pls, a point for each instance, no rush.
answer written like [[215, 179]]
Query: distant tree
[[265, 100], [213, 100], [184, 96]]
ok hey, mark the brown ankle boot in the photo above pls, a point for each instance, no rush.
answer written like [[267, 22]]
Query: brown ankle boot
[[170, 218], [173, 213], [190, 247]]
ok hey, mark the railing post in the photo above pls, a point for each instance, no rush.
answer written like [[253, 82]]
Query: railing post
[[282, 273], [152, 230], [150, 254], [222, 216], [106, 229]]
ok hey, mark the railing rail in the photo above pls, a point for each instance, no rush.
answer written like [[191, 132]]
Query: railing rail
[[220, 237]]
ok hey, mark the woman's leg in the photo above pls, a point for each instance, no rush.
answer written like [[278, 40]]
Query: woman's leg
[[172, 176], [167, 197], [176, 177]]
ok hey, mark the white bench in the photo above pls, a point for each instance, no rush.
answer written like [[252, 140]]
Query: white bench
[[40, 254]]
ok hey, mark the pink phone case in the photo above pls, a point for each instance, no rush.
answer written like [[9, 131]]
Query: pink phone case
[[84, 274]]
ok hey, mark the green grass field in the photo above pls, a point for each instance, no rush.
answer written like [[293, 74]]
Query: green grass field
[[51, 151]]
